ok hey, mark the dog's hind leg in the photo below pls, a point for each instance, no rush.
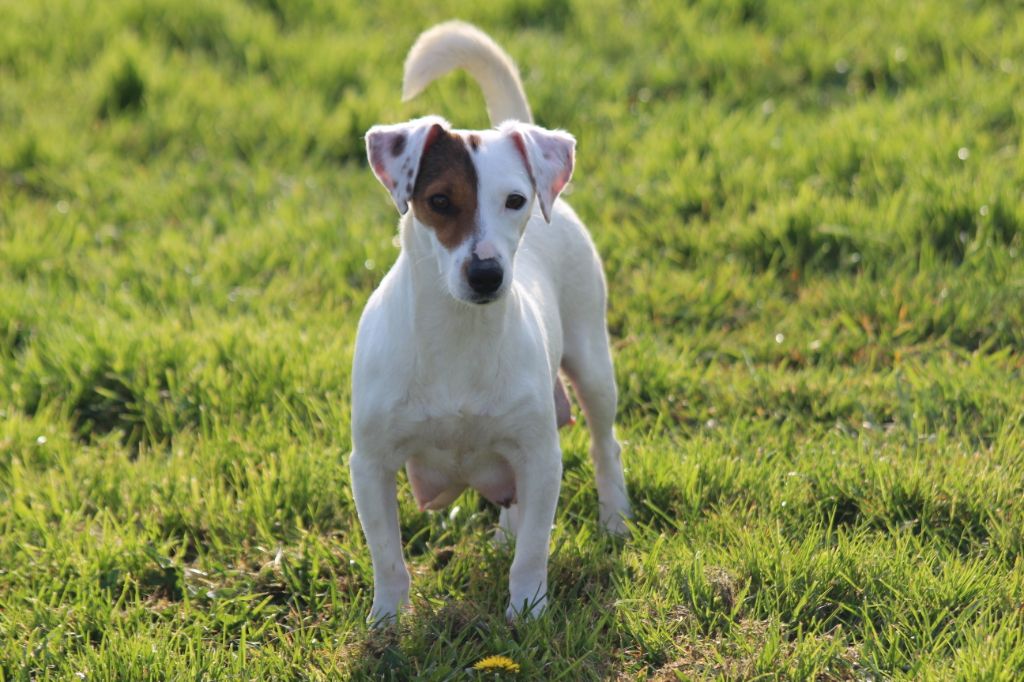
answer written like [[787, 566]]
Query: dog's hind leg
[[508, 523], [587, 361]]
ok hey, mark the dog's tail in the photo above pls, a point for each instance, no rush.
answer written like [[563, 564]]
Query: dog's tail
[[458, 45]]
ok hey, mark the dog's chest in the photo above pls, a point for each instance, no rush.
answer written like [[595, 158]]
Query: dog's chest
[[460, 407]]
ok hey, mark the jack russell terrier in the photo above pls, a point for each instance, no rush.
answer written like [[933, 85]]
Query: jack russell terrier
[[457, 357]]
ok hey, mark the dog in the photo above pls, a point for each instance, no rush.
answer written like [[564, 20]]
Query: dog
[[497, 287]]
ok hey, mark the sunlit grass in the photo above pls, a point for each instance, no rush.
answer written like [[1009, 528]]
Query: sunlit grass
[[812, 222]]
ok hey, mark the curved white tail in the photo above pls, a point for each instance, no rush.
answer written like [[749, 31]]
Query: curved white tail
[[458, 45]]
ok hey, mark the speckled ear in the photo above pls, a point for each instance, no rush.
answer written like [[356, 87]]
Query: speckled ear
[[395, 151], [549, 156]]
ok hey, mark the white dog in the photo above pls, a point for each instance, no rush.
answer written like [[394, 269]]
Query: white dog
[[497, 286]]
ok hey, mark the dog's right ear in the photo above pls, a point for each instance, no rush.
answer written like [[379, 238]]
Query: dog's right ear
[[395, 151]]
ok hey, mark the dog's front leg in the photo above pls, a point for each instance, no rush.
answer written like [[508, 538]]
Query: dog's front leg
[[538, 479], [377, 504]]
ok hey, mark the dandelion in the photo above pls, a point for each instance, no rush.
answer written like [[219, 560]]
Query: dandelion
[[497, 664]]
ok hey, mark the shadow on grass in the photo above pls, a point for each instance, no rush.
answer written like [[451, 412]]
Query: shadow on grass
[[464, 629]]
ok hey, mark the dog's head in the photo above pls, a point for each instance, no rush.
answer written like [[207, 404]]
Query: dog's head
[[473, 191]]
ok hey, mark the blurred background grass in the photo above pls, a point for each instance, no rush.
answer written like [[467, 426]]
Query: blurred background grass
[[811, 218]]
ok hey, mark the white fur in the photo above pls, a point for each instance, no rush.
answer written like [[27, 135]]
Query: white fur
[[464, 394]]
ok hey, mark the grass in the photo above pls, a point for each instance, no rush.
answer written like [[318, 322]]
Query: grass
[[812, 222]]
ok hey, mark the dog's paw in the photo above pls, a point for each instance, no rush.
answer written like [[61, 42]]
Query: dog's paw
[[501, 538], [616, 525], [614, 518], [525, 609], [508, 520], [378, 620], [384, 611]]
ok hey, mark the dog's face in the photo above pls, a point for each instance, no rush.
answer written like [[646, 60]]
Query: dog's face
[[473, 191]]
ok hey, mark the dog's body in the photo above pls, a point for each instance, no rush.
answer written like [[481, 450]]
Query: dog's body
[[458, 351]]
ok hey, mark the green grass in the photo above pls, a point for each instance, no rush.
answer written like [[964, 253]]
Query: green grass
[[812, 221]]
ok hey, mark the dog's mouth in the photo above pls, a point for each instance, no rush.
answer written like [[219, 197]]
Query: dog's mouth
[[483, 299]]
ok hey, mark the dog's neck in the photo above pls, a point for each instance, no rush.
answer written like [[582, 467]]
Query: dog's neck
[[436, 315]]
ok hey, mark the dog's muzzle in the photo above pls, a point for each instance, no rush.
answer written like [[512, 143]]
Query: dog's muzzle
[[485, 276]]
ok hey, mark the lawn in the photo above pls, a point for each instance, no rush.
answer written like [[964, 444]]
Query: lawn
[[812, 220]]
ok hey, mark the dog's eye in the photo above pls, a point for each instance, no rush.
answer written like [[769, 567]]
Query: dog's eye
[[515, 201], [440, 202]]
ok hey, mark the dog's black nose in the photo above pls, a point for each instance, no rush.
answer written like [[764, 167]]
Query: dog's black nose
[[484, 275]]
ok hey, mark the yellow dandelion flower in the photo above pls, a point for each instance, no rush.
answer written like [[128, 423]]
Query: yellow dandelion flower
[[497, 664]]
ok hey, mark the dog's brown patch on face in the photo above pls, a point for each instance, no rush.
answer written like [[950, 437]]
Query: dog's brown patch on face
[[474, 141], [446, 170]]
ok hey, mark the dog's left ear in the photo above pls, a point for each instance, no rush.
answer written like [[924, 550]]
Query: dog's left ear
[[395, 151], [549, 156]]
